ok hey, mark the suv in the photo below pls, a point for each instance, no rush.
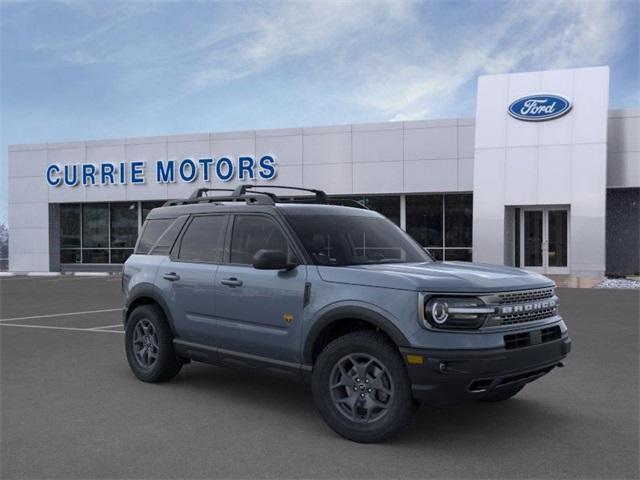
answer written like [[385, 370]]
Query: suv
[[314, 289]]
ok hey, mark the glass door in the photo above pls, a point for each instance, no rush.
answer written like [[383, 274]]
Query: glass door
[[557, 240], [544, 239], [532, 237]]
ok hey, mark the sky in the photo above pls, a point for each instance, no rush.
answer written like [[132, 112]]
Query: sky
[[74, 70]]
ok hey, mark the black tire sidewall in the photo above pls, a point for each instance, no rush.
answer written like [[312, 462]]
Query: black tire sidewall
[[379, 347], [167, 364]]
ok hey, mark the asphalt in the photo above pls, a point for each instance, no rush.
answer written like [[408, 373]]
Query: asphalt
[[70, 408]]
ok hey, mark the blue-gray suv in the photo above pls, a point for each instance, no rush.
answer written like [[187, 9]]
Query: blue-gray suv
[[326, 291]]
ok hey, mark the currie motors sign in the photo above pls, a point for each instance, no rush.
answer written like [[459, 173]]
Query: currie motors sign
[[537, 108], [188, 170]]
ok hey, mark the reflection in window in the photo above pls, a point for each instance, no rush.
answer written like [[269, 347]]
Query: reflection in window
[[436, 253], [68, 255], [69, 225], [100, 232], [95, 225], [458, 212], [458, 255], [252, 233], [204, 239], [443, 224], [120, 255], [424, 219], [124, 225], [95, 255], [387, 205]]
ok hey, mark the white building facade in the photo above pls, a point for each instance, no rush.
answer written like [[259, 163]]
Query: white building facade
[[545, 177]]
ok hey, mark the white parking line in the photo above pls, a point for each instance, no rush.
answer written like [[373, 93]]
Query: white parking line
[[60, 314], [47, 327], [106, 326]]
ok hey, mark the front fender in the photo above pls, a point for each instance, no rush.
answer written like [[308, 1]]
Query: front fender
[[351, 310]]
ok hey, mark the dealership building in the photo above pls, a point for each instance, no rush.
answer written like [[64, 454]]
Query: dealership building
[[545, 177]]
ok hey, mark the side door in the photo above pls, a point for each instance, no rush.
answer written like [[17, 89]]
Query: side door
[[187, 277], [259, 312]]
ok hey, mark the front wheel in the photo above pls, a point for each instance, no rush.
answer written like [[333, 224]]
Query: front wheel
[[361, 387], [149, 345]]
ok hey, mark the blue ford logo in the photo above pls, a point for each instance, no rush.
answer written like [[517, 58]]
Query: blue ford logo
[[536, 108]]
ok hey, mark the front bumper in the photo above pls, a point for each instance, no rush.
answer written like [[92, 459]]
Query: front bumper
[[447, 377]]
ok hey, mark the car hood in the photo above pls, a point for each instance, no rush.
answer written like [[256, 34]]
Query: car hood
[[459, 277]]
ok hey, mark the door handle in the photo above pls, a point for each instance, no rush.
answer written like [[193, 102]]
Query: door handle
[[231, 282], [171, 276]]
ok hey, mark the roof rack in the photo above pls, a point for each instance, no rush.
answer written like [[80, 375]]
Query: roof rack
[[199, 196], [200, 192], [321, 197], [240, 194]]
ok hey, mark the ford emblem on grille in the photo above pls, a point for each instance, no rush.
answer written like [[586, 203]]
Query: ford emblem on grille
[[536, 108]]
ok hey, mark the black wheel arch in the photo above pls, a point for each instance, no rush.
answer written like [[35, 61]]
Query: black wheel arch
[[349, 313], [145, 294]]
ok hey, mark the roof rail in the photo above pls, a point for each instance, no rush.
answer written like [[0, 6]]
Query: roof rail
[[259, 198], [200, 192], [321, 197], [245, 193]]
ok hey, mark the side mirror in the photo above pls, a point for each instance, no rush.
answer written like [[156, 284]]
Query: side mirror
[[271, 260]]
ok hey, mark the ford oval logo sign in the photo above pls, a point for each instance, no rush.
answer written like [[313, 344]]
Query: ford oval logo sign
[[536, 108]]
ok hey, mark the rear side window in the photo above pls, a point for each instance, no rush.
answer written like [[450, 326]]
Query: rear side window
[[203, 241], [151, 233], [168, 238]]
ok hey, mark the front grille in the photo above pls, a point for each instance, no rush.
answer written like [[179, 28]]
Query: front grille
[[523, 297], [515, 318], [524, 339]]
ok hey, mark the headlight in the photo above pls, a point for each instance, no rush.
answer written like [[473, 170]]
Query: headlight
[[455, 312]]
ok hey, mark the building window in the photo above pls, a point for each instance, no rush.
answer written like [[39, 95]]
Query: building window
[[387, 205], [70, 238], [123, 231], [100, 232], [442, 224]]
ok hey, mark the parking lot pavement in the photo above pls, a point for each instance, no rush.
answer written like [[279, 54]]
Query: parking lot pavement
[[70, 408]]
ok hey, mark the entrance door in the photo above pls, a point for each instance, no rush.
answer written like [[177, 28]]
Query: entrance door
[[544, 239]]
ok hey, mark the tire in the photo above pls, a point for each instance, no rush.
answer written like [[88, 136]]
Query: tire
[[369, 409], [501, 394], [147, 328]]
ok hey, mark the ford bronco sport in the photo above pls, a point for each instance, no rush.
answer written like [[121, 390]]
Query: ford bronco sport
[[314, 289]]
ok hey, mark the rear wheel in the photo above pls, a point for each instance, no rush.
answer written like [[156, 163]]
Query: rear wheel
[[149, 345], [361, 387], [501, 394]]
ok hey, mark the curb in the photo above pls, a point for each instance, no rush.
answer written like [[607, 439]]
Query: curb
[[58, 274]]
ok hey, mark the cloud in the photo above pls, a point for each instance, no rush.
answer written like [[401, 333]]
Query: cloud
[[528, 36], [391, 57], [295, 30]]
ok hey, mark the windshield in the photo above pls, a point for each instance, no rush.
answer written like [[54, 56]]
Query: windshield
[[341, 240]]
